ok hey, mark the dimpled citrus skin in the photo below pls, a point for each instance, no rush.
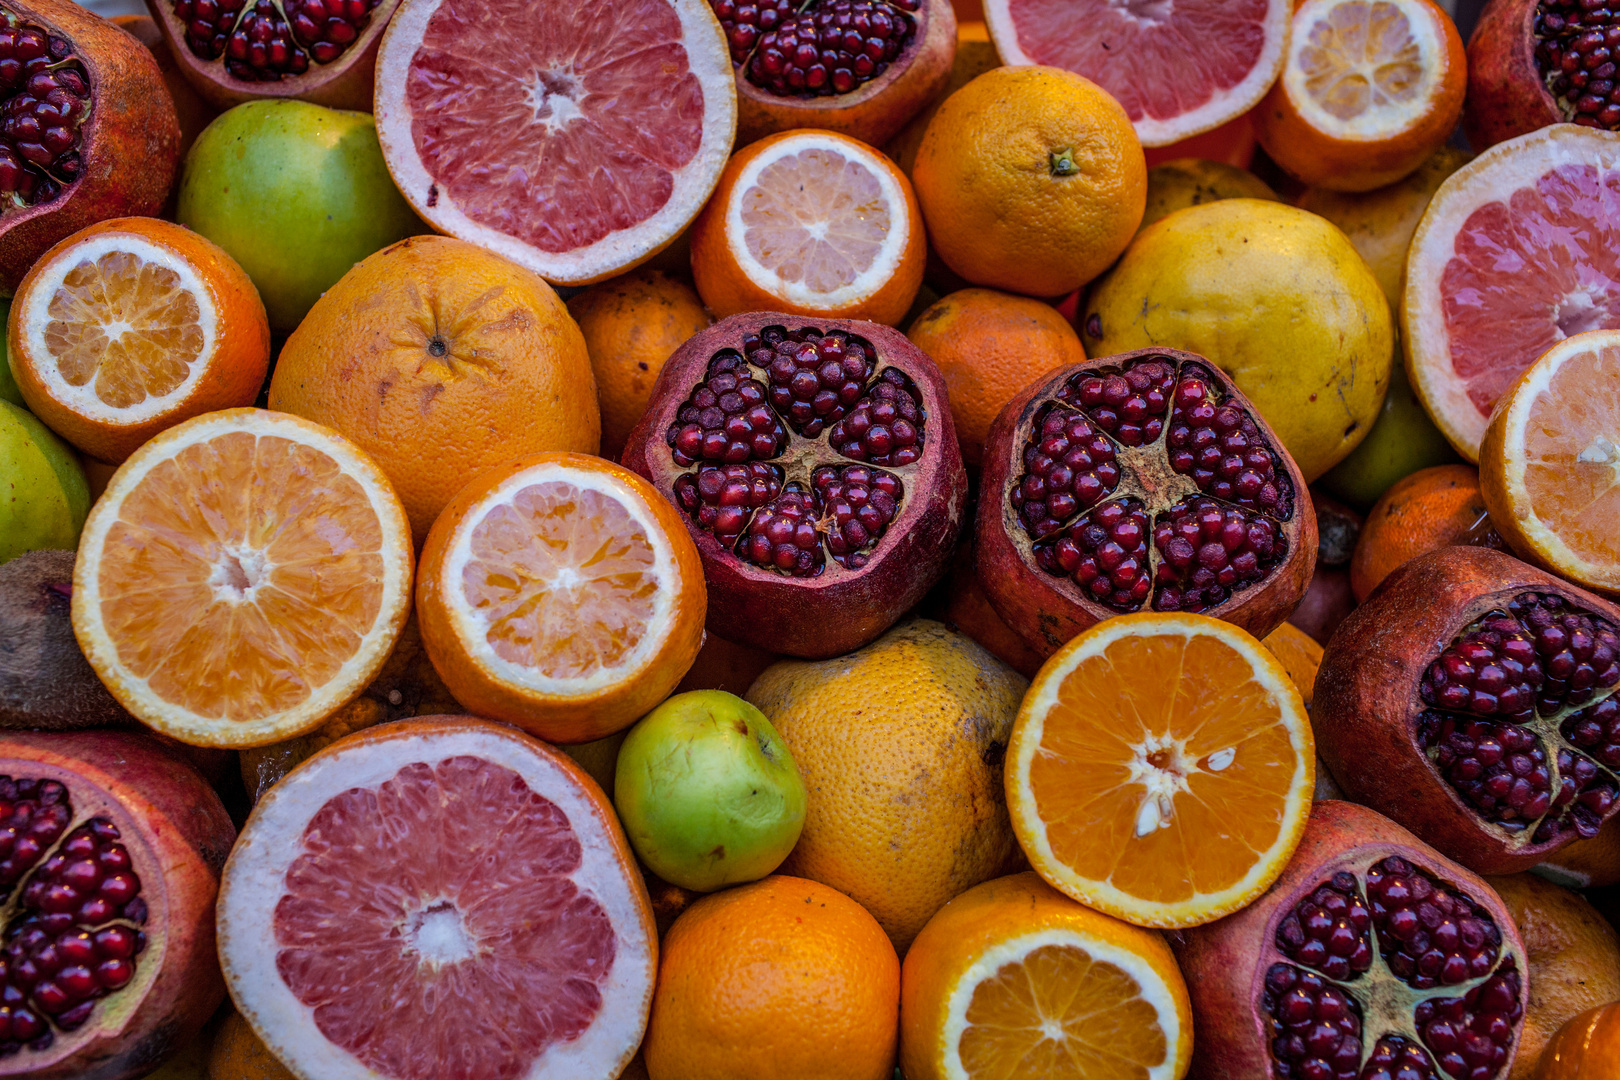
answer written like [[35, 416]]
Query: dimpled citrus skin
[[440, 360], [783, 979], [1275, 296], [900, 745]]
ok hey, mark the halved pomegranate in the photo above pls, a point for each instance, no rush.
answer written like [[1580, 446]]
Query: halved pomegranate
[[818, 469], [1133, 481], [1471, 698], [1537, 62], [862, 68], [1373, 957], [110, 856], [233, 51], [87, 129]]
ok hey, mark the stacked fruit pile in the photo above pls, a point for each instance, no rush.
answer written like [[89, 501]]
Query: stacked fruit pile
[[488, 589]]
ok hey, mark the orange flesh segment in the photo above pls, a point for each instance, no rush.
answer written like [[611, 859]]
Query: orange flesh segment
[[155, 322], [1148, 693], [815, 218], [1350, 42], [1104, 1028], [564, 578], [1572, 462], [241, 575]]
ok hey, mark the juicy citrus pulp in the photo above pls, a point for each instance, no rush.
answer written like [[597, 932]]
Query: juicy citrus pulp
[[1363, 69], [244, 575], [1550, 464], [1160, 769], [436, 899]]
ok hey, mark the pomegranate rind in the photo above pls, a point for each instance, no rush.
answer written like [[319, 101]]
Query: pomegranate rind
[[1507, 96], [710, 61], [129, 145], [175, 720], [1492, 177], [1367, 701], [171, 819], [1219, 108], [873, 112], [345, 83], [1047, 611], [1504, 460], [1223, 961], [1026, 743], [841, 610], [271, 840]]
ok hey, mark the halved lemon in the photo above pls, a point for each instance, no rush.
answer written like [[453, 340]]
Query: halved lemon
[[1161, 769], [1549, 468], [562, 593], [244, 575]]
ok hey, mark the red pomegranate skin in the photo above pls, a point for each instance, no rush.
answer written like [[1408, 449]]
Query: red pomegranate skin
[[1367, 702], [840, 609], [178, 833], [1506, 94], [1225, 962], [1047, 610], [875, 111], [1327, 602], [129, 146]]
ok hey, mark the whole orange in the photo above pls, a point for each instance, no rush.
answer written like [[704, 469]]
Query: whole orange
[[440, 359], [1586, 1048], [631, 324], [989, 345], [1030, 179], [783, 979], [1429, 509]]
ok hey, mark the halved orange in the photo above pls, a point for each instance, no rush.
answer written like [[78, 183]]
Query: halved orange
[[1014, 979], [1549, 468], [131, 326], [561, 593], [245, 574], [813, 223], [1369, 89], [1160, 769]]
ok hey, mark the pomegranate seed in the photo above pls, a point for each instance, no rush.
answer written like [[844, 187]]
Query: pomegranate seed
[[857, 504], [833, 48], [264, 42], [814, 380], [1130, 405], [1070, 467], [1218, 444], [1105, 553], [1207, 552], [1575, 51], [886, 425], [46, 97], [726, 418]]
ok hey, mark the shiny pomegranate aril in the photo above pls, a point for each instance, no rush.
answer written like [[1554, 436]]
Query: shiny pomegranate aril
[[1315, 1026], [722, 498], [1596, 730], [1428, 935], [784, 535], [726, 418], [1105, 553], [44, 100], [1580, 654], [835, 47], [1397, 1058], [1500, 769], [885, 427], [745, 20], [1219, 446], [1129, 405], [1491, 670], [1068, 468], [1577, 47], [267, 40], [814, 379], [1208, 551], [1330, 930], [857, 504]]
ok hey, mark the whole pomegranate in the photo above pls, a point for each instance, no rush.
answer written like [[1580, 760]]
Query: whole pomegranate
[[231, 51], [1373, 957], [87, 128], [860, 67], [110, 856], [818, 470], [1142, 480], [1537, 62], [1471, 698]]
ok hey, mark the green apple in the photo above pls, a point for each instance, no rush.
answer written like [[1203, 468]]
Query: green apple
[[1403, 440], [43, 494], [708, 792], [297, 194]]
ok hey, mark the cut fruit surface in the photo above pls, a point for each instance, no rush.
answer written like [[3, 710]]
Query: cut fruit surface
[[1516, 252], [561, 593], [420, 873], [1549, 468], [1161, 769], [1014, 979], [245, 574], [1178, 68], [133, 325], [811, 223], [576, 141]]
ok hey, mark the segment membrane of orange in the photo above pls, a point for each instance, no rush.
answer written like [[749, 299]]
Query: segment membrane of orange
[[1572, 454], [130, 325], [1163, 767], [1361, 56], [816, 218], [241, 575], [564, 578], [1060, 1012]]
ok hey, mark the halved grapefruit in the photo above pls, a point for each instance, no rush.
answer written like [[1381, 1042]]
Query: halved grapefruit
[[1518, 250], [575, 139], [1178, 66], [439, 899]]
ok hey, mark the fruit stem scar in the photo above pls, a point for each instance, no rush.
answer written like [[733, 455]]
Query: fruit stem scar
[[436, 346], [1061, 161]]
